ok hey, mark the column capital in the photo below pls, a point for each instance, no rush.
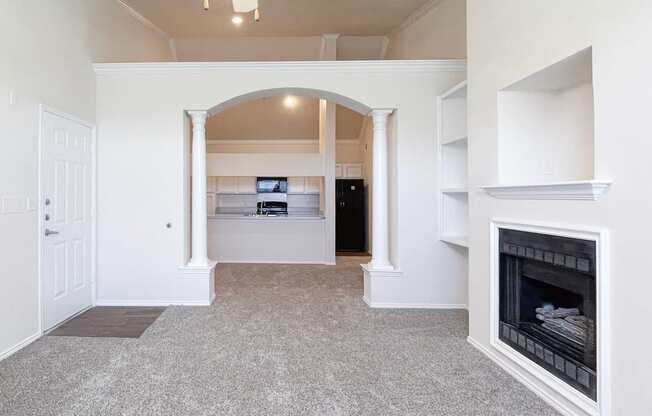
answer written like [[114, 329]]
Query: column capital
[[197, 115], [381, 112]]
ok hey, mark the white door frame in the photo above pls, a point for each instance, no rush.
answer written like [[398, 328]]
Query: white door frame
[[41, 229]]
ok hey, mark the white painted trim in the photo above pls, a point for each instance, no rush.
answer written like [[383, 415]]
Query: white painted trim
[[188, 271], [259, 142], [393, 305], [517, 373], [454, 90], [283, 142], [363, 67], [601, 237], [590, 190], [258, 261], [384, 47], [151, 302], [173, 49], [415, 16], [19, 346], [142, 19], [347, 141], [40, 227]]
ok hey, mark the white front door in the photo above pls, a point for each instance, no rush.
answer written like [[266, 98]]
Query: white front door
[[66, 195]]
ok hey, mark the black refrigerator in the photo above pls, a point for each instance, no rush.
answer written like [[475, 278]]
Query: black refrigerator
[[351, 223]]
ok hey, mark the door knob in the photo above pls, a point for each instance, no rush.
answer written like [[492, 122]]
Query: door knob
[[49, 232]]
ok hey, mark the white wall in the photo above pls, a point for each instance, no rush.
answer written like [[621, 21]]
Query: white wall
[[47, 53], [272, 48], [437, 31], [504, 49], [153, 117]]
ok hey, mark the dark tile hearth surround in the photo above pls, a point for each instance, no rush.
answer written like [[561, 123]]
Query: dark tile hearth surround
[[538, 270]]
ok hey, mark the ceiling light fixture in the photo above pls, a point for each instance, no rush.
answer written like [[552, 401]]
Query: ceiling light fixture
[[290, 101], [207, 4], [237, 20], [244, 6]]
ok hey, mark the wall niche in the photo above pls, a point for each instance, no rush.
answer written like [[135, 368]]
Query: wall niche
[[546, 146], [546, 123]]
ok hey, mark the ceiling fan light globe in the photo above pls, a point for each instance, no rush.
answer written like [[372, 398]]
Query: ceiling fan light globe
[[244, 6]]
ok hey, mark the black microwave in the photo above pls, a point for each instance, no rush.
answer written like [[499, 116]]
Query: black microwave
[[268, 185]]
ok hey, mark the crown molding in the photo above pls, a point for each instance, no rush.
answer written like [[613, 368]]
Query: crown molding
[[259, 142], [416, 15], [407, 66], [286, 142], [142, 19]]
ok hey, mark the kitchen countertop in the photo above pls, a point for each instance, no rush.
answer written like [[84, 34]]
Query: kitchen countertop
[[289, 217]]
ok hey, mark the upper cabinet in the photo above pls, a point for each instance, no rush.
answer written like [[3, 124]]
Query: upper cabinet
[[348, 170], [304, 184], [232, 184]]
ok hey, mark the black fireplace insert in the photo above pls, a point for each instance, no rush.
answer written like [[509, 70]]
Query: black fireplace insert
[[547, 301]]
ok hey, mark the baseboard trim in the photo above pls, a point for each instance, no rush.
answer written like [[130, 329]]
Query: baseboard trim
[[136, 302], [391, 305], [252, 261], [22, 344], [513, 371]]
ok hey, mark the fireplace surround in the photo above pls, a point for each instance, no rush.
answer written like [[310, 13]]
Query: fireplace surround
[[548, 307]]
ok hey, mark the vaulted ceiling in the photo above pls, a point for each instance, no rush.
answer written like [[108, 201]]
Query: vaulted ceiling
[[187, 18]]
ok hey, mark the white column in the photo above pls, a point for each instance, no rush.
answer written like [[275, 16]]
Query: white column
[[380, 201], [199, 253]]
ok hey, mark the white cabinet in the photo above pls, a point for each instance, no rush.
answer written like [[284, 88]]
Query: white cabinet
[[211, 184], [339, 171], [211, 203], [296, 184], [226, 185], [304, 184], [348, 170], [232, 184], [246, 184], [313, 184]]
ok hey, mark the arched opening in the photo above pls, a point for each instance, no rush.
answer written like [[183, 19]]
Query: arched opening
[[315, 180], [300, 92]]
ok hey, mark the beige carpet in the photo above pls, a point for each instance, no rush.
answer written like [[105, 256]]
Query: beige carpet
[[280, 340]]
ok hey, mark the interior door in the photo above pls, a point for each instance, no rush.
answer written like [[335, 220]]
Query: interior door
[[66, 174]]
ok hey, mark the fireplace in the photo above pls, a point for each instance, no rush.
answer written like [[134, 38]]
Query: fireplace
[[547, 304]]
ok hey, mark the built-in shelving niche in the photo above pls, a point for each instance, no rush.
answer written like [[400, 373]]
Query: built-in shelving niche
[[453, 151], [546, 133]]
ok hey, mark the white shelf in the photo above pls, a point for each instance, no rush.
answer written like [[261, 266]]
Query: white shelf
[[458, 240], [590, 190], [453, 161], [454, 140], [454, 190]]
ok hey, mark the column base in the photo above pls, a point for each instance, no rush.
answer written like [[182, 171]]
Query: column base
[[204, 277], [377, 280]]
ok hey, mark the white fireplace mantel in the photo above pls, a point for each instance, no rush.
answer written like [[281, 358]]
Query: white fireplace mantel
[[590, 190], [508, 355]]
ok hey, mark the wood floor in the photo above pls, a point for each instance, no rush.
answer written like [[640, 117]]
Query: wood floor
[[109, 322], [352, 254]]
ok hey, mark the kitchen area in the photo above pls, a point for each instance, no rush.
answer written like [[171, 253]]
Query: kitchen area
[[265, 219], [273, 197], [281, 219]]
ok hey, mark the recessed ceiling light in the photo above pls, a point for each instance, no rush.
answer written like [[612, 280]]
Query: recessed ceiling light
[[290, 101], [237, 20]]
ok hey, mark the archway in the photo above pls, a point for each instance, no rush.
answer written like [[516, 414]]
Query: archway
[[380, 205]]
